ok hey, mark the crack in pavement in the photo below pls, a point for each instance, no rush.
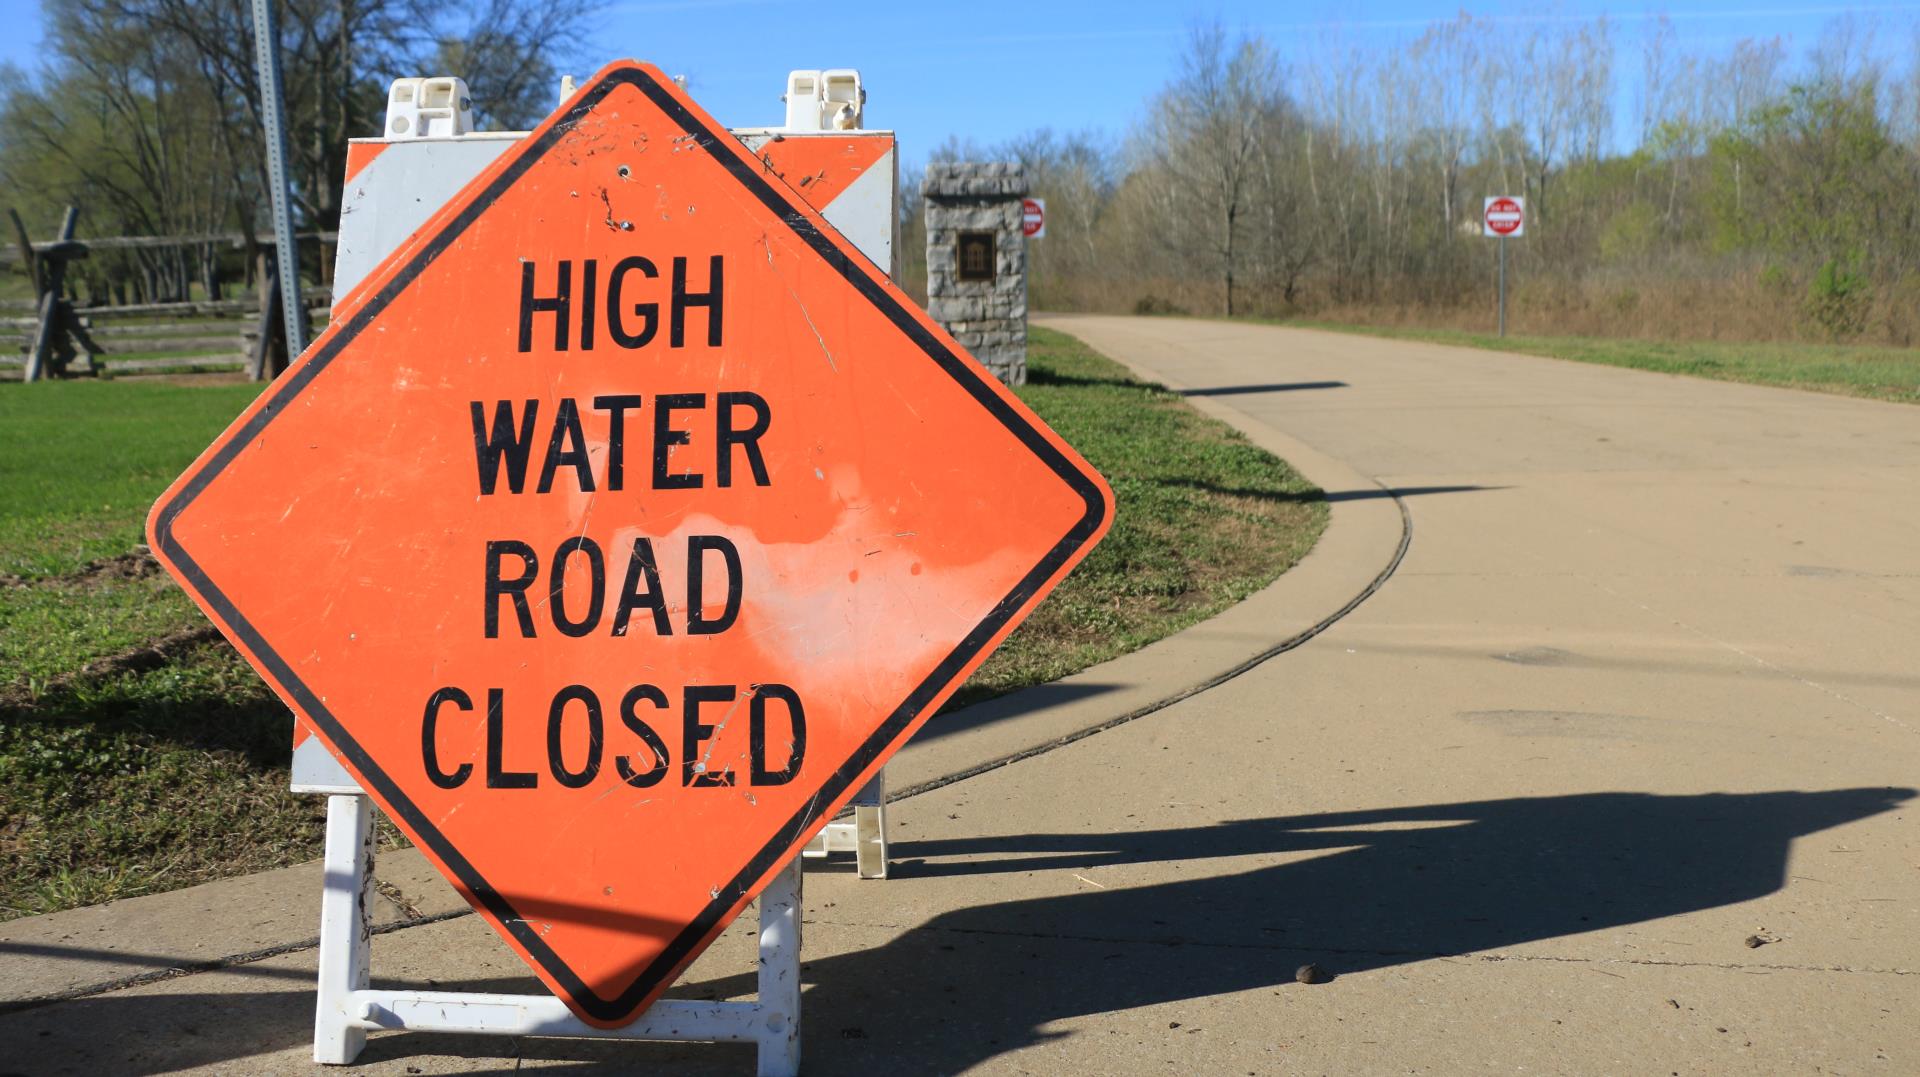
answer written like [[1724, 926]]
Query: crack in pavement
[[230, 963]]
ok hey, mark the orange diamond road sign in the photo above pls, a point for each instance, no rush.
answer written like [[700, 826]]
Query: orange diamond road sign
[[619, 529]]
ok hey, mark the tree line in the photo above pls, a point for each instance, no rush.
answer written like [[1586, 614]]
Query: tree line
[[147, 115], [1764, 195], [1758, 194]]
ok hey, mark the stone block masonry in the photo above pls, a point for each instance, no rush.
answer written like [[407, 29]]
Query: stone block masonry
[[984, 305]]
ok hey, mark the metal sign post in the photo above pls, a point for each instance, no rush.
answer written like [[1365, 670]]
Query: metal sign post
[[273, 114], [1504, 216]]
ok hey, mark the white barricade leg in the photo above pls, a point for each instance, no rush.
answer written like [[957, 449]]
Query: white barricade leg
[[779, 986], [346, 930], [870, 828]]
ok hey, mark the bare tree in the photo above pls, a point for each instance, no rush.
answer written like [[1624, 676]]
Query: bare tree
[[1203, 138], [339, 55], [1447, 57]]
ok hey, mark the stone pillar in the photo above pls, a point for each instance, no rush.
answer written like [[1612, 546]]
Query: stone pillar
[[977, 261]]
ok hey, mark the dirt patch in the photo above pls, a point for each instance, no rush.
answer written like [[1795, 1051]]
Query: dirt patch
[[11, 840], [144, 657], [136, 564]]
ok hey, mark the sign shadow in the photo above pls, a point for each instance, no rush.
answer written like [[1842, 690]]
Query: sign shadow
[[1353, 891], [1374, 889], [1272, 387]]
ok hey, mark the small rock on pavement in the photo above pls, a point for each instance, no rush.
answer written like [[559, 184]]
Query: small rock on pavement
[[1311, 974]]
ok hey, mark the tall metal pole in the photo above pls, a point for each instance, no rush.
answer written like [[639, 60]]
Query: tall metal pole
[[1503, 286], [266, 54]]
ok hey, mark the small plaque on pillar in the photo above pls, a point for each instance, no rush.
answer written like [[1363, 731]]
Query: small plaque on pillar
[[973, 252]]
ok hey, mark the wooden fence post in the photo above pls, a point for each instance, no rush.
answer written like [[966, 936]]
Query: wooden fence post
[[27, 259], [51, 348], [270, 353]]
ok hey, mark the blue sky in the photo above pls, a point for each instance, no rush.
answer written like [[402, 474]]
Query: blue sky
[[1068, 65]]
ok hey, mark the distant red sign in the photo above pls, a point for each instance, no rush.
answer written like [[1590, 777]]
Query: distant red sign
[[1033, 218], [1506, 216]]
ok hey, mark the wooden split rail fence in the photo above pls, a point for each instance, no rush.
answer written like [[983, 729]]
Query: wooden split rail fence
[[52, 336], [152, 338]]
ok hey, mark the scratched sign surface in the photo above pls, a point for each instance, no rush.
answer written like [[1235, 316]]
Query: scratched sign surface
[[619, 529]]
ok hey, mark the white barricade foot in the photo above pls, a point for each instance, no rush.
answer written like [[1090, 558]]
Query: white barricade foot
[[348, 1008], [864, 835]]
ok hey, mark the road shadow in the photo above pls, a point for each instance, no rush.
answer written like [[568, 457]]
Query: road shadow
[[1274, 387], [983, 707], [1043, 376], [1402, 491], [1374, 889], [1311, 496], [1247, 902]]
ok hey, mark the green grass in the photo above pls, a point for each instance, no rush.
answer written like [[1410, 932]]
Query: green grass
[[81, 461], [113, 785], [1878, 373], [144, 782], [57, 625], [14, 285]]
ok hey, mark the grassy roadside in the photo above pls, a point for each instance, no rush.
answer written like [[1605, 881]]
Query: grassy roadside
[[1877, 373], [1205, 518], [124, 771], [81, 461]]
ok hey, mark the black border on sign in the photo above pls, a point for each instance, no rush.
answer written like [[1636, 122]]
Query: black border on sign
[[622, 1007]]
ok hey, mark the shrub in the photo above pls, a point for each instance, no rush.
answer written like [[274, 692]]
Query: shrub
[[1153, 304], [1630, 234], [1838, 298]]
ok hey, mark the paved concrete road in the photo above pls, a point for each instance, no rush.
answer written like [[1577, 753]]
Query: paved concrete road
[[1642, 689]]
